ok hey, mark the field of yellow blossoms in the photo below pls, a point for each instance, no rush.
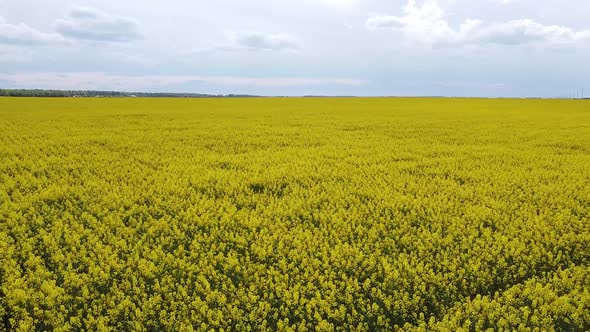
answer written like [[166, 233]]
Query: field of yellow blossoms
[[284, 214]]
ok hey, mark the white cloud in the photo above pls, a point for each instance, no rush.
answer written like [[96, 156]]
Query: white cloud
[[86, 23], [256, 41], [23, 35], [99, 81], [426, 24]]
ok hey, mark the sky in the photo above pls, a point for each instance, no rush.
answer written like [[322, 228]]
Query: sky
[[486, 48]]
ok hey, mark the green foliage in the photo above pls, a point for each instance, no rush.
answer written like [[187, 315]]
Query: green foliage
[[294, 214], [109, 94]]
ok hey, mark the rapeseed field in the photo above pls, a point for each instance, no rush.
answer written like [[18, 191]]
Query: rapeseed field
[[294, 214]]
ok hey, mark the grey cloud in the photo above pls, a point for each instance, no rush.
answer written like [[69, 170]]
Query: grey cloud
[[24, 35], [84, 23], [11, 54], [260, 41]]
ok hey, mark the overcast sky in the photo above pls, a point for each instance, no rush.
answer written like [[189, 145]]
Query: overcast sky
[[296, 47]]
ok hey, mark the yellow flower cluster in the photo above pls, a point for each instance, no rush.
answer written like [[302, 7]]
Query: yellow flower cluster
[[294, 214]]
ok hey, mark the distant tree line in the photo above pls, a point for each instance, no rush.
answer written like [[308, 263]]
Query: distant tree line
[[107, 94]]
